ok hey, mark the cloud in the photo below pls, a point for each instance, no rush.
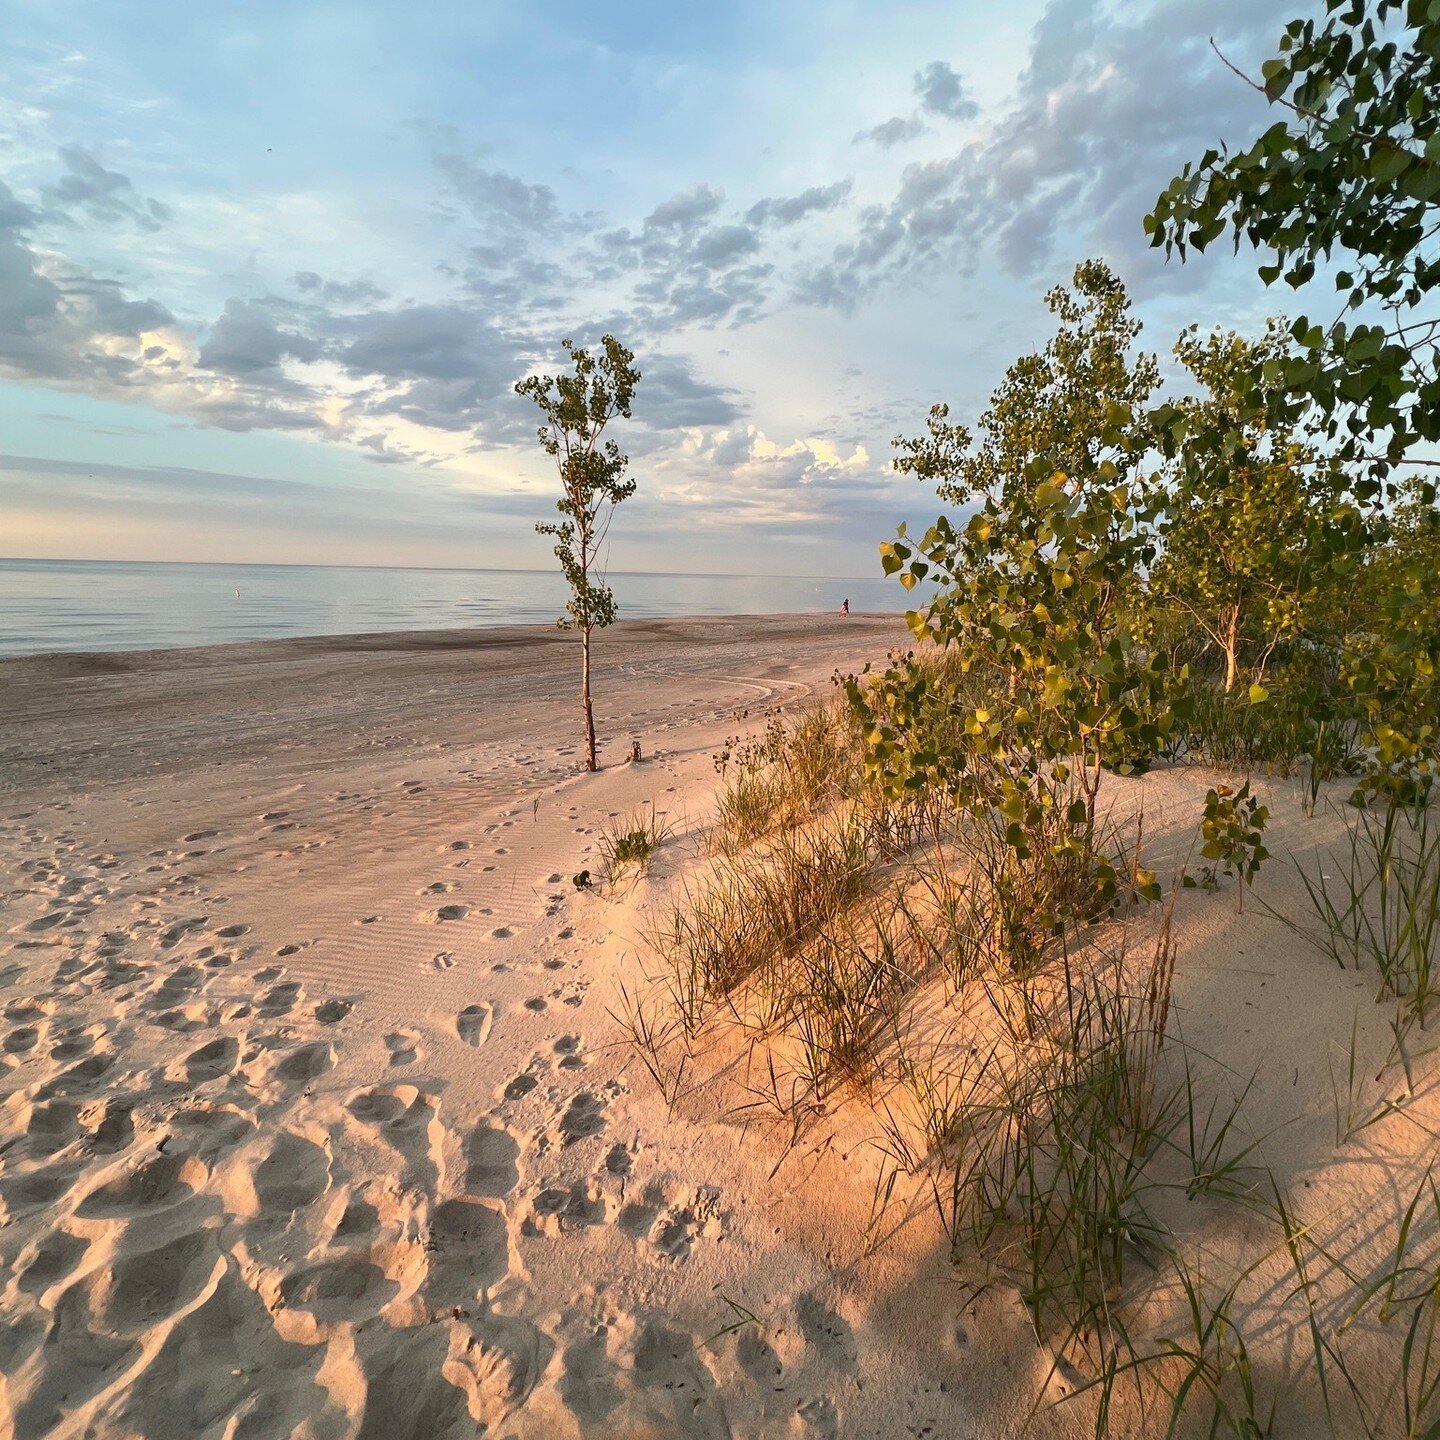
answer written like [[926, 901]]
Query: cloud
[[99, 194], [722, 245], [685, 210], [497, 198], [431, 342], [60, 322], [738, 476], [15, 214], [336, 292], [942, 92], [787, 210], [671, 397], [683, 270], [246, 341], [442, 367], [895, 131]]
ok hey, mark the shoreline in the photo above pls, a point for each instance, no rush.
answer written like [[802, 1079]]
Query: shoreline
[[475, 637]]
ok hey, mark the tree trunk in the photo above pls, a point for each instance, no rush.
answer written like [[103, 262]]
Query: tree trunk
[[590, 761], [1231, 645]]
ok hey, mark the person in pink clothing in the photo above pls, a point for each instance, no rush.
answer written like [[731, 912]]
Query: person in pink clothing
[[845, 606]]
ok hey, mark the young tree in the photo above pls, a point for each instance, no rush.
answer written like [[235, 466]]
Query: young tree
[[1245, 535], [1039, 585], [577, 408]]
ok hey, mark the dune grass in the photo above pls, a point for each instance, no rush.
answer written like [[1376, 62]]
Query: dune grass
[[749, 913], [1379, 903]]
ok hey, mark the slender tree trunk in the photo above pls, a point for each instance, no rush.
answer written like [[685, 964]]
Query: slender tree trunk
[[590, 761], [1231, 645]]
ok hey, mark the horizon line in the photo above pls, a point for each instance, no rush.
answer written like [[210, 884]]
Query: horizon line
[[453, 569]]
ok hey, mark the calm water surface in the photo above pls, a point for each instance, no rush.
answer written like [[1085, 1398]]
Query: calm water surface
[[113, 605]]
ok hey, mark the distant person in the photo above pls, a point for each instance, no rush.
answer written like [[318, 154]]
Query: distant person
[[845, 606]]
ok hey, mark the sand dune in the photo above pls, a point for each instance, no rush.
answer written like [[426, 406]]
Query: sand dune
[[314, 1119]]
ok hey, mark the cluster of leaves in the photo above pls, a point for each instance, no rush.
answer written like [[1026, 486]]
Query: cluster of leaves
[[1353, 170], [1233, 832], [1256, 515]]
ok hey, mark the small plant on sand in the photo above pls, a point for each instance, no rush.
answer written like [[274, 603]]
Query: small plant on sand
[[627, 845], [1233, 833], [577, 408], [649, 1037]]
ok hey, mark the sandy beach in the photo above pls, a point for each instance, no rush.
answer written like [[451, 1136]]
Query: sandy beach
[[316, 1118]]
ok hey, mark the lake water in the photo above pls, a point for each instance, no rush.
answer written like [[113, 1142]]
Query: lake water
[[120, 605]]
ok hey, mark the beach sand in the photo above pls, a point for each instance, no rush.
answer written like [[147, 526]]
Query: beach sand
[[316, 1119]]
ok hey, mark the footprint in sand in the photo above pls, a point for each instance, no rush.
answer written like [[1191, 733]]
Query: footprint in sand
[[675, 1233], [211, 1061], [408, 1120], [583, 1117], [473, 1024], [77, 1079], [521, 1086], [469, 1249], [172, 935], [49, 1260], [492, 1161], [404, 1046], [820, 1418], [159, 1183], [295, 1173], [445, 960], [298, 1067], [556, 1208], [443, 914], [568, 1048], [280, 999], [22, 1040], [331, 1012]]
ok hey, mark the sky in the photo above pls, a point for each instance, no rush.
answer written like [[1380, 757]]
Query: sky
[[269, 273]]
